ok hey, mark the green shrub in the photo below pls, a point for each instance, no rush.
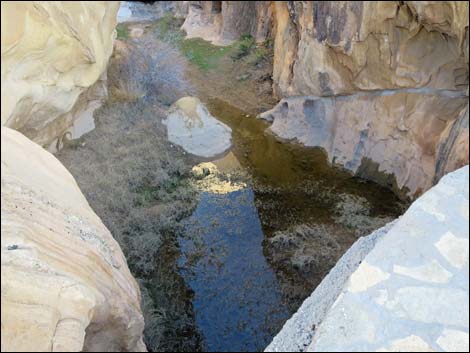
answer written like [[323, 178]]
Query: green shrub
[[243, 47], [203, 53], [122, 31]]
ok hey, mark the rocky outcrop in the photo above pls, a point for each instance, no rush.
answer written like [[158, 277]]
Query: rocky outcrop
[[402, 139], [223, 22], [326, 48], [404, 69], [65, 282], [54, 57], [410, 293], [403, 288]]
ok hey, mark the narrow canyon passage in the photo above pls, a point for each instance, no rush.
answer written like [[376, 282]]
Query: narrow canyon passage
[[278, 176], [225, 248]]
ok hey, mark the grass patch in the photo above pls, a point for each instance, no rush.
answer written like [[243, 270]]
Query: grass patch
[[122, 31], [243, 46], [128, 91], [198, 51], [148, 193], [202, 53], [260, 53]]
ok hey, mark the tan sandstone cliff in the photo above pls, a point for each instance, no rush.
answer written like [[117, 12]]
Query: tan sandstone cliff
[[223, 22], [65, 282], [54, 56], [403, 66]]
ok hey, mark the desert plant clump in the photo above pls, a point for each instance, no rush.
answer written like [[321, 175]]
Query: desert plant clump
[[151, 70], [243, 47]]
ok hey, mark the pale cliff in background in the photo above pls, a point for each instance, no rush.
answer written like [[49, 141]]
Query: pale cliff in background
[[54, 56]]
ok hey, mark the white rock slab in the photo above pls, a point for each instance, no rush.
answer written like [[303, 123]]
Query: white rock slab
[[191, 126], [412, 288], [453, 341]]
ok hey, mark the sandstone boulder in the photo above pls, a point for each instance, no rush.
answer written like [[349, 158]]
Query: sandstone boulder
[[65, 282]]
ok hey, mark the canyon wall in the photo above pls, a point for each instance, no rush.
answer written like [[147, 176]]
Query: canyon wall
[[349, 46], [54, 56], [65, 282], [223, 22], [402, 65]]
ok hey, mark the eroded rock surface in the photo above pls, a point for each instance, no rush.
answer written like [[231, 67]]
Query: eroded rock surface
[[404, 66], [54, 57], [402, 288], [65, 282], [412, 135], [223, 22], [411, 291], [191, 126], [325, 48], [395, 61]]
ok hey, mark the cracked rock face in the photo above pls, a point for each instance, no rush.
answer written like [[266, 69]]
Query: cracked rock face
[[403, 67], [331, 48], [223, 22], [65, 282], [54, 58]]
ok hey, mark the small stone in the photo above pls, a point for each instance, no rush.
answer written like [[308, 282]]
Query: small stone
[[243, 77]]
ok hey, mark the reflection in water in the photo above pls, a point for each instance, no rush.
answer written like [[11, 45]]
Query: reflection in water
[[238, 305], [254, 252]]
